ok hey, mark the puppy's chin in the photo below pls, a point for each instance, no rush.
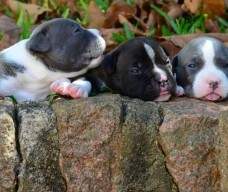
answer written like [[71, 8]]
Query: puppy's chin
[[212, 97], [95, 62], [165, 97]]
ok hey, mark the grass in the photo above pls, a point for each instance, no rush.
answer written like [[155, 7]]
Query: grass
[[1, 35], [182, 25], [127, 34], [25, 22], [223, 24], [103, 5]]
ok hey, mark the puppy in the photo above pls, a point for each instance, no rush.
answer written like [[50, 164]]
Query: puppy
[[201, 68], [138, 68], [57, 49]]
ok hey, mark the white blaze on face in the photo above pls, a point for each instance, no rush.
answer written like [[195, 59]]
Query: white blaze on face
[[151, 54], [209, 73], [163, 76]]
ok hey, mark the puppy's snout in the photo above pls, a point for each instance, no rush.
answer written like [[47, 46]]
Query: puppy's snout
[[164, 83], [214, 84]]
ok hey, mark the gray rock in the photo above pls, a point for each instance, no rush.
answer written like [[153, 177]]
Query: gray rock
[[9, 157], [39, 149], [108, 144]]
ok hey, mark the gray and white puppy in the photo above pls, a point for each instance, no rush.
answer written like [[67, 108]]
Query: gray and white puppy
[[57, 49], [201, 68], [138, 68]]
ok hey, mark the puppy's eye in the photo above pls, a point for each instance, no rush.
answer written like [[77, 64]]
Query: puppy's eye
[[167, 62], [135, 71], [76, 30], [192, 65]]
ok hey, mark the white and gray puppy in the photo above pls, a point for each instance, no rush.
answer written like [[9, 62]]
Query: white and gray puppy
[[201, 68], [57, 49]]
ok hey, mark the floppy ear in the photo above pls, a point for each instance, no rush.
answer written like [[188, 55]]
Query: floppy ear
[[174, 64], [39, 42], [110, 61]]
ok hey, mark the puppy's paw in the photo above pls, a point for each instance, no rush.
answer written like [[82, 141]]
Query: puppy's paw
[[79, 89], [76, 91], [179, 91], [60, 86]]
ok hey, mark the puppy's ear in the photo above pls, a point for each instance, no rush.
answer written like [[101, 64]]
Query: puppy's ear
[[39, 42], [110, 61], [174, 64]]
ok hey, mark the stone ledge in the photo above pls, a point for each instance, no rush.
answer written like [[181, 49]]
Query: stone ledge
[[112, 143]]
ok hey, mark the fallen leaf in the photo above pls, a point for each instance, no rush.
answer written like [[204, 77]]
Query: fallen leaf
[[118, 8], [192, 5], [33, 10], [10, 32], [213, 7], [173, 44], [181, 40], [107, 34], [134, 29], [211, 26], [96, 17], [175, 10]]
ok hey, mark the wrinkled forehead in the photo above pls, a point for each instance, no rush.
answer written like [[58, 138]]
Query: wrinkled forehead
[[202, 48], [156, 54], [55, 25]]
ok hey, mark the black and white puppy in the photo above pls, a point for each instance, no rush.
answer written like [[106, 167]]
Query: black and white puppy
[[57, 49], [138, 68], [201, 68]]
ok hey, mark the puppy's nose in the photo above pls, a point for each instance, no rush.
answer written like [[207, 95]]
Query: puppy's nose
[[163, 83], [214, 84]]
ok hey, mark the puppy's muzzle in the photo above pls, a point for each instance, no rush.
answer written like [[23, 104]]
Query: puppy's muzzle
[[97, 47]]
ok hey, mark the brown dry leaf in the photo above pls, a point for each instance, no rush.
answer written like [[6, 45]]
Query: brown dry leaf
[[96, 17], [170, 48], [214, 7], [182, 40], [192, 5], [212, 26], [175, 10], [33, 10], [118, 8], [107, 34], [124, 20], [9, 30], [174, 43], [69, 4], [226, 4]]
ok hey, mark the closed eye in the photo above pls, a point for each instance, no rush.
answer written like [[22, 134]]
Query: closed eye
[[135, 71], [76, 30], [192, 65]]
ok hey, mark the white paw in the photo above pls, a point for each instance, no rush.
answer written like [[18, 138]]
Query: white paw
[[79, 89], [179, 91], [76, 91]]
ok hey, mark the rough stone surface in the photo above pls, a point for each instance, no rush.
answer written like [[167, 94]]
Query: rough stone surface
[[110, 143], [142, 162], [8, 152], [39, 149], [189, 137]]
